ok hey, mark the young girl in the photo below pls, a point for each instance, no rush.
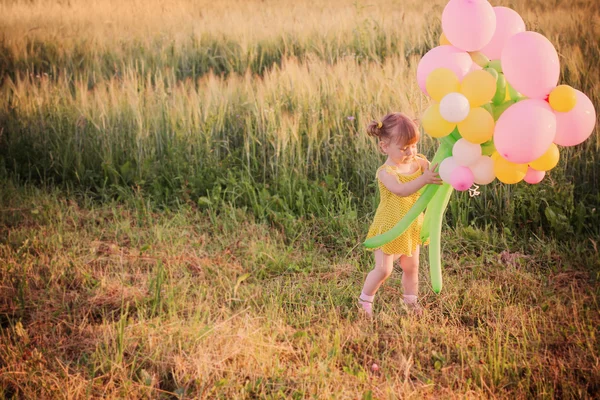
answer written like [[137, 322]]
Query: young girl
[[400, 178]]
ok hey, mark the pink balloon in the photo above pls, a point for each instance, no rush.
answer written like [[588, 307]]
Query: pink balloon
[[475, 67], [533, 176], [462, 178], [446, 168], [525, 130], [530, 64], [483, 170], [508, 23], [443, 57], [469, 24], [466, 153], [575, 126]]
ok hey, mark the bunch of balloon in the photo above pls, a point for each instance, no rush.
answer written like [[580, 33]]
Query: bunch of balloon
[[496, 110]]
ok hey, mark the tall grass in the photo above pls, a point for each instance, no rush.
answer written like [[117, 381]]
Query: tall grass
[[256, 104]]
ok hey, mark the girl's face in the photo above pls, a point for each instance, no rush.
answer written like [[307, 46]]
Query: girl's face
[[399, 153]]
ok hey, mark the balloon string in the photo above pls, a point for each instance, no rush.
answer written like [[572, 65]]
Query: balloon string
[[474, 191]]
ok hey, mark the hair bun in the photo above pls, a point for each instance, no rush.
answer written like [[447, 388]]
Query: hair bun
[[374, 128]]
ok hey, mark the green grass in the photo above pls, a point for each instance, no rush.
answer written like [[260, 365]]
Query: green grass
[[181, 104], [122, 299]]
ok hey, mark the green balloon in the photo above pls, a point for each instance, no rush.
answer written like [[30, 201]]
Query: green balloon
[[426, 224], [455, 135], [500, 90], [488, 148], [443, 152], [431, 210], [438, 209], [499, 109], [447, 141], [488, 107], [496, 65], [514, 95]]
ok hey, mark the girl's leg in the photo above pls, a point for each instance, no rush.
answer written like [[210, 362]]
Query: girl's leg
[[410, 273], [410, 279], [384, 265]]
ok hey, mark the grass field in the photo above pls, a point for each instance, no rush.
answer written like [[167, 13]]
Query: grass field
[[116, 300], [185, 186]]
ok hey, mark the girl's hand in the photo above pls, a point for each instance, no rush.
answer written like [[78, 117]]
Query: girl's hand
[[430, 176]]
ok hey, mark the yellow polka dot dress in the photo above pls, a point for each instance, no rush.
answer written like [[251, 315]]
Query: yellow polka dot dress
[[392, 208]]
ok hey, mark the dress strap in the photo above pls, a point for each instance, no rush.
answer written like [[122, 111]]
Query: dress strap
[[400, 177], [388, 168], [421, 156]]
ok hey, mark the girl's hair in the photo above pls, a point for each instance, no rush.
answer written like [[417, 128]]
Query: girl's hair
[[395, 126]]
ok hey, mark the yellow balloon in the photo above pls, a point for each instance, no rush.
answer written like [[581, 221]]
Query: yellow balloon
[[495, 155], [434, 124], [440, 82], [508, 172], [444, 40], [563, 98], [547, 161], [478, 127], [479, 87]]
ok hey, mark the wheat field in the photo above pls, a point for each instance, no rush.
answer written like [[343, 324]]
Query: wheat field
[[185, 186]]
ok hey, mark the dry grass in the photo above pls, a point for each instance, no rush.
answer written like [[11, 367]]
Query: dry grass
[[117, 301], [180, 98]]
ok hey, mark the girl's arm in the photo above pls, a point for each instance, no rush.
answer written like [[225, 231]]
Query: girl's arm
[[390, 181]]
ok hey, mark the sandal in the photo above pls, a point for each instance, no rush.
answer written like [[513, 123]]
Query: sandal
[[366, 306]]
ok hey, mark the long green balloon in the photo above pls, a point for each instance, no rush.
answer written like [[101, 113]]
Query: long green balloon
[[425, 228], [438, 208], [500, 108], [488, 148], [404, 223], [488, 108], [500, 90], [443, 151], [454, 136], [431, 213], [514, 95], [492, 71], [495, 64]]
